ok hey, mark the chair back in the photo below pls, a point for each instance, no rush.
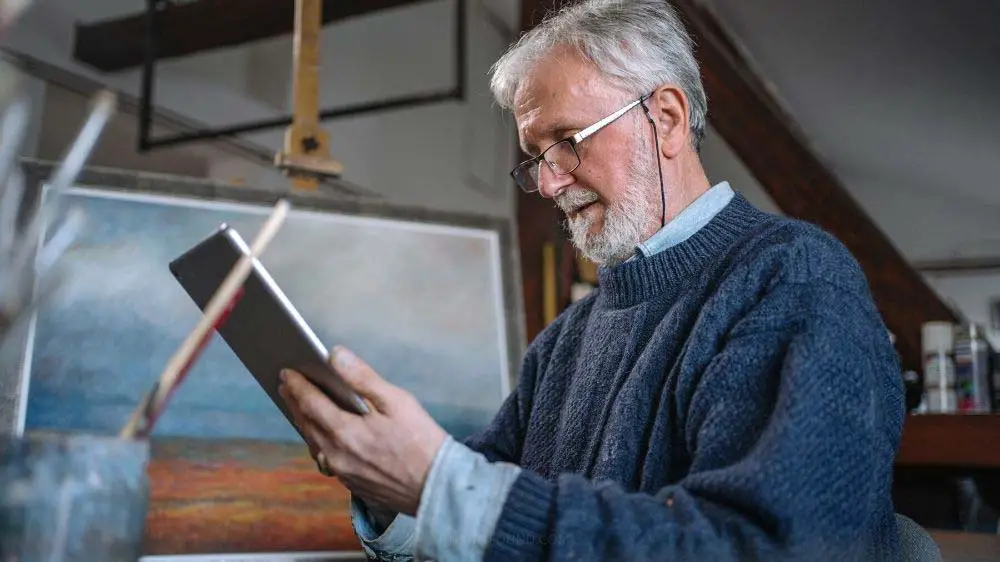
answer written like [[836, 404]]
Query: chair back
[[915, 544]]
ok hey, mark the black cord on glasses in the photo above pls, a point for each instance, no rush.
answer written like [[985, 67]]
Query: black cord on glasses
[[659, 166]]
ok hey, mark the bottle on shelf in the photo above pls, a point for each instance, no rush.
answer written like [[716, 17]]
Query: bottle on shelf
[[937, 341], [995, 364], [972, 370]]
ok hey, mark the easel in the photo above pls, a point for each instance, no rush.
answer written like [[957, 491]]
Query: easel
[[305, 158]]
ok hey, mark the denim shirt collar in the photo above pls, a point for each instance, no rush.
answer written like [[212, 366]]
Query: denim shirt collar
[[689, 221]]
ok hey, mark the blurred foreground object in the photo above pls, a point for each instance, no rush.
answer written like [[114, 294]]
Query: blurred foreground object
[[11, 9], [63, 498], [28, 272], [68, 498]]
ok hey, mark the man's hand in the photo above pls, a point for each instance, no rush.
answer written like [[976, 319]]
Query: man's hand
[[384, 456]]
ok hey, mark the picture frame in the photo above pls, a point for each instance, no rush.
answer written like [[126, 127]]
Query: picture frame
[[221, 444], [994, 305]]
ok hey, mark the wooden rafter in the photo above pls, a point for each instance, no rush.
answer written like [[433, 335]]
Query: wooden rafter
[[195, 27], [743, 112]]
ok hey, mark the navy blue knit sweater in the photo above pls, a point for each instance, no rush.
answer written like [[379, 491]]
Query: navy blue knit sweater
[[733, 397]]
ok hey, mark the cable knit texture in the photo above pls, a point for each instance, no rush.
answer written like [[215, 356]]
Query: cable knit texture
[[734, 397]]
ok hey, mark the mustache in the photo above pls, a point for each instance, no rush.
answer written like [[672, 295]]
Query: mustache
[[573, 200]]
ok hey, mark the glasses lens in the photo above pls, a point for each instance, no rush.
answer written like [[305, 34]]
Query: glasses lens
[[561, 158], [526, 175]]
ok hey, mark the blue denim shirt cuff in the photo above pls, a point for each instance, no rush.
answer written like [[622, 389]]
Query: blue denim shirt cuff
[[460, 504], [395, 543]]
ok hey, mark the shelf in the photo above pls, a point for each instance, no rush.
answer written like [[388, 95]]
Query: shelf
[[970, 547], [951, 440]]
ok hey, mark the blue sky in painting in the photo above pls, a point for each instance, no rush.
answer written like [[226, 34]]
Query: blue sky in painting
[[417, 303]]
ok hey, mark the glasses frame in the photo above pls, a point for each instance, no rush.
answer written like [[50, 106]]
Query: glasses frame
[[573, 141]]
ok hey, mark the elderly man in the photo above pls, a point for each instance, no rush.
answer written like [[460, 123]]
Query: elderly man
[[728, 392]]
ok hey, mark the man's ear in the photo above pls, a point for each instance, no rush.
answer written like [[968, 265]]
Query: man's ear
[[669, 107]]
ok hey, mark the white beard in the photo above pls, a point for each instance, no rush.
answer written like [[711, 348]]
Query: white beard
[[625, 221]]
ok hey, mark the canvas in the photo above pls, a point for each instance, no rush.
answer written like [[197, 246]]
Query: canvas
[[423, 302]]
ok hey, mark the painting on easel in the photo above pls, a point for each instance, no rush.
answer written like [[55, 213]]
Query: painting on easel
[[426, 303]]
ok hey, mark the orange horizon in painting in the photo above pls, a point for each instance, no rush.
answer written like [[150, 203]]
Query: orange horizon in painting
[[212, 496]]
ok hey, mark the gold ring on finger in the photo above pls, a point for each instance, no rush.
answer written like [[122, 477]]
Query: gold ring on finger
[[323, 465]]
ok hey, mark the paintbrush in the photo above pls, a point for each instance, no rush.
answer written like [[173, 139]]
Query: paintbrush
[[16, 118], [10, 10], [26, 259], [143, 418], [104, 103]]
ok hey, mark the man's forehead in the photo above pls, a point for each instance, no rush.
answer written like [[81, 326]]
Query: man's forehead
[[559, 75], [552, 96]]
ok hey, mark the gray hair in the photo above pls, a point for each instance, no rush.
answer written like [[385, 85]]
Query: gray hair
[[639, 44]]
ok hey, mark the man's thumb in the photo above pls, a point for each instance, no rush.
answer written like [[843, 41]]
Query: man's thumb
[[361, 377]]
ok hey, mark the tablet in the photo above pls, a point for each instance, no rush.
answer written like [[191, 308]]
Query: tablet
[[263, 329]]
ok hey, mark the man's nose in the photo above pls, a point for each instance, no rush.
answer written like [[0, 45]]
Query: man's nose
[[551, 184]]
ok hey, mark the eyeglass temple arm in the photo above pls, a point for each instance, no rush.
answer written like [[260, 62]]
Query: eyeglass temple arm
[[600, 124]]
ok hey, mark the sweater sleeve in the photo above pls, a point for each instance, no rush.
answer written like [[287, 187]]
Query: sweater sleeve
[[791, 428]]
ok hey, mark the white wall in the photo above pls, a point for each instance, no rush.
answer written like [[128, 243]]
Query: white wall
[[722, 164], [450, 156], [932, 226], [970, 293]]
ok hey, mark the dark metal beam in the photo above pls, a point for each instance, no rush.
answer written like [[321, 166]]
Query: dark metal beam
[[203, 25], [153, 28]]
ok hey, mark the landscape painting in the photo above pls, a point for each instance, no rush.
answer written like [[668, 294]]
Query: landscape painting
[[423, 303]]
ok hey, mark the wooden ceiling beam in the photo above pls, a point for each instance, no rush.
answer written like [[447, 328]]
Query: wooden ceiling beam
[[205, 25], [750, 120]]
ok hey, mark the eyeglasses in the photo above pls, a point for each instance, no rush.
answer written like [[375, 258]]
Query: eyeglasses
[[562, 157]]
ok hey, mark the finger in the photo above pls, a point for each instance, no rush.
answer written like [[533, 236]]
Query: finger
[[315, 439], [292, 404], [323, 464], [362, 378], [286, 394], [328, 426], [299, 420], [296, 386], [317, 409]]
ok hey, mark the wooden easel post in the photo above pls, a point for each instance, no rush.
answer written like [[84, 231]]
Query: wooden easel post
[[306, 154]]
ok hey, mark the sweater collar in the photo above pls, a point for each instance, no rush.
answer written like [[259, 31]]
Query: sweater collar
[[665, 272], [688, 221]]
